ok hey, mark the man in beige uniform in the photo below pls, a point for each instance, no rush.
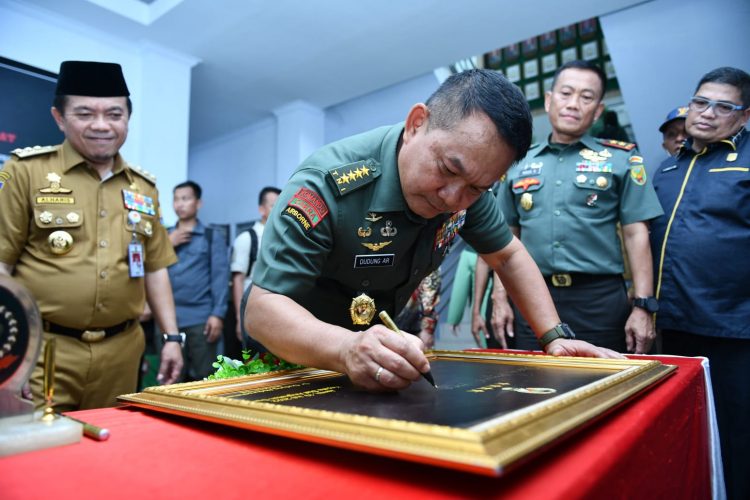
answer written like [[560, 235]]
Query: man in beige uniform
[[80, 229]]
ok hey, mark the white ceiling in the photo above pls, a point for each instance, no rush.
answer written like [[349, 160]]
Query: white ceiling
[[258, 55]]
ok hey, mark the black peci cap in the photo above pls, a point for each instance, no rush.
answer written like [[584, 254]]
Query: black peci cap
[[92, 79]]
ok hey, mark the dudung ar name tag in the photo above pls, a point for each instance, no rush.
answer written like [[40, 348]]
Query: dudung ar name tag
[[374, 260]]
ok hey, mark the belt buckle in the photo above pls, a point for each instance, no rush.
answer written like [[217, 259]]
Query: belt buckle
[[93, 335], [562, 280]]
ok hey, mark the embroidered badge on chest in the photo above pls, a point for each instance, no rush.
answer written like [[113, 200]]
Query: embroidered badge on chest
[[448, 231], [138, 202]]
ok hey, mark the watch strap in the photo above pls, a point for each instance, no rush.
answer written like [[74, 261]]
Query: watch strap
[[175, 337], [560, 331]]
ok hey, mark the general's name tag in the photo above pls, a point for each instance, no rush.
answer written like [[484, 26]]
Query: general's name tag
[[374, 260]]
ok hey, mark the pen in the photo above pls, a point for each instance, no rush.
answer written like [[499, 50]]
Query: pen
[[90, 430], [387, 321]]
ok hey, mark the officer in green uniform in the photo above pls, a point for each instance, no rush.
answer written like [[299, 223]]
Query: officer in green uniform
[[565, 200], [363, 220], [80, 229]]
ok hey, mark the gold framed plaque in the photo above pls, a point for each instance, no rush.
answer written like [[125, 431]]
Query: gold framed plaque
[[489, 412]]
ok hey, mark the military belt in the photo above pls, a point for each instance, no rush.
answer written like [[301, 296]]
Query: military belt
[[89, 335], [561, 280]]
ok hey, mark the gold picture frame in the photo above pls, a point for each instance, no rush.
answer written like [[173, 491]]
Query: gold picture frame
[[489, 412]]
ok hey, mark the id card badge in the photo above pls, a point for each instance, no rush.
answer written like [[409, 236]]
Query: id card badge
[[135, 259]]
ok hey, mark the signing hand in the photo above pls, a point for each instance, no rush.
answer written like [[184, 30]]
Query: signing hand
[[400, 357]]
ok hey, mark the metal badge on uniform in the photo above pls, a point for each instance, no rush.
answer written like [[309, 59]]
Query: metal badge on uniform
[[388, 230], [591, 200], [362, 309], [731, 156], [60, 242], [602, 182], [581, 179], [54, 185], [527, 201], [138, 202], [135, 259], [45, 217]]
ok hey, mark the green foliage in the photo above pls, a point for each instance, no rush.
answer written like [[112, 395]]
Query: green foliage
[[250, 364]]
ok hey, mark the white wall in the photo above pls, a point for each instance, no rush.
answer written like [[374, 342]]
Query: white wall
[[158, 80], [661, 49], [232, 170], [384, 107]]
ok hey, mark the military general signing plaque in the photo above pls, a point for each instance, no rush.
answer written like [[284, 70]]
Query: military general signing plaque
[[491, 410]]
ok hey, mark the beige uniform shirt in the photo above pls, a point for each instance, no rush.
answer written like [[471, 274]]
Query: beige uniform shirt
[[52, 189]]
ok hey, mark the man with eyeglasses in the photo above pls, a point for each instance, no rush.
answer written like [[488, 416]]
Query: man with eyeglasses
[[700, 248], [564, 201]]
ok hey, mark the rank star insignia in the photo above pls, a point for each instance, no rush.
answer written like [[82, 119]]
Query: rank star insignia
[[362, 309], [54, 185]]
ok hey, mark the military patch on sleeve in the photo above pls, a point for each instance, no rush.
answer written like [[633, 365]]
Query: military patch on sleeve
[[36, 150], [348, 178], [627, 146], [306, 208], [4, 177], [638, 174]]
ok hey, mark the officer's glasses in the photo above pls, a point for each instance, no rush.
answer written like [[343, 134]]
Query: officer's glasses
[[721, 108]]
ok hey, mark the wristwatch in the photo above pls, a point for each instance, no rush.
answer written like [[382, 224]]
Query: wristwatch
[[648, 303], [560, 331], [174, 337]]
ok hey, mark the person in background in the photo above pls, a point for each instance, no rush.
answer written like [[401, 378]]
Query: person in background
[[700, 248], [564, 202], [673, 130], [363, 220], [199, 280], [80, 228], [244, 255]]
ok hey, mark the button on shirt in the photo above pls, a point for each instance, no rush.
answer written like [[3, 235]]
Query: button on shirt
[[702, 243], [567, 200], [368, 241]]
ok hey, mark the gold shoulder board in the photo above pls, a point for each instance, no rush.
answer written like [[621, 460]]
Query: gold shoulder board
[[36, 150], [143, 173]]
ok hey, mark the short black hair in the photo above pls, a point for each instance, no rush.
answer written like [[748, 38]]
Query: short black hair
[[192, 185], [484, 91], [265, 191], [584, 65], [729, 76], [60, 101]]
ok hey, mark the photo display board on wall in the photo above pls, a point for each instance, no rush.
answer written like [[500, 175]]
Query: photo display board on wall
[[531, 63]]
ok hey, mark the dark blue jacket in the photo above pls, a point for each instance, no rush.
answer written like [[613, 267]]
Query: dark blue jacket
[[701, 245]]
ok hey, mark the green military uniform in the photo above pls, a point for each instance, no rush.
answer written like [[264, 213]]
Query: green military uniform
[[341, 228], [52, 190], [567, 201]]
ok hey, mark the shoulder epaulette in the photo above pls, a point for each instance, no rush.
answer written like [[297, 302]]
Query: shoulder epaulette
[[143, 173], [627, 146], [36, 150], [348, 178]]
